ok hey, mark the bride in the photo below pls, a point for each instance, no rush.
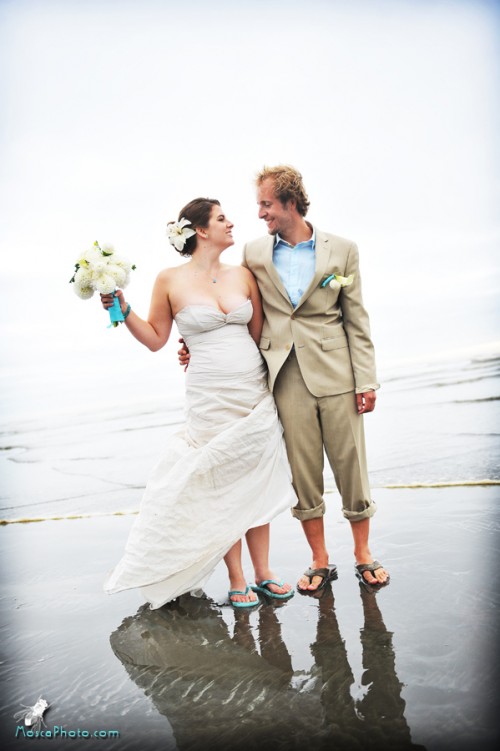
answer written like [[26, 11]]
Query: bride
[[225, 475]]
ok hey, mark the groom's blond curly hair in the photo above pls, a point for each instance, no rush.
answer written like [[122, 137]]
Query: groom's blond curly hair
[[287, 185]]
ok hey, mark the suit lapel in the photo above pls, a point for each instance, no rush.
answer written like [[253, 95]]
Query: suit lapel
[[323, 249], [272, 270]]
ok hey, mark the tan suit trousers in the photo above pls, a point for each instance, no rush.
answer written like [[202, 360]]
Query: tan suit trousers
[[313, 425]]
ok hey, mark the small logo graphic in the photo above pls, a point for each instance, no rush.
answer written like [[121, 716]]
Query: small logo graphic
[[33, 716]]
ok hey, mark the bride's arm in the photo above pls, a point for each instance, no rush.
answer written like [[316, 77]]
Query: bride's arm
[[154, 332], [255, 323]]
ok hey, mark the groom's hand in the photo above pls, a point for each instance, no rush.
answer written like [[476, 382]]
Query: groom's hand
[[184, 355], [366, 402]]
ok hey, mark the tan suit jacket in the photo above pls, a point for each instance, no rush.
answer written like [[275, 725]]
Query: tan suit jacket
[[329, 328]]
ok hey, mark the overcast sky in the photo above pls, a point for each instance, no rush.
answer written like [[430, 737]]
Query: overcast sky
[[115, 114]]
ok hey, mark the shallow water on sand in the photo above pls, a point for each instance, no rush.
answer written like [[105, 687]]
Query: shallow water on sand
[[438, 424], [413, 666], [410, 666]]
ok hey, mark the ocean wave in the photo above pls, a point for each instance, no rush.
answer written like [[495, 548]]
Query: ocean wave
[[328, 491], [474, 401]]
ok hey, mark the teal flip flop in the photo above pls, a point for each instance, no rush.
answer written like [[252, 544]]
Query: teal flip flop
[[264, 589], [241, 604]]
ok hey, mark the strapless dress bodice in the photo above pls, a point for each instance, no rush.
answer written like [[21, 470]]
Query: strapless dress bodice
[[219, 343], [199, 319]]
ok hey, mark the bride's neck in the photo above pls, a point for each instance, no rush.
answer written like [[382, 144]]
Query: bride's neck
[[208, 260]]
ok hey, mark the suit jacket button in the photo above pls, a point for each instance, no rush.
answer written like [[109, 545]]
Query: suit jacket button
[[292, 316]]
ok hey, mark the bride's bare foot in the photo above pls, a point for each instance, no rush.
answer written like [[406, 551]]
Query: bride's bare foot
[[241, 592], [272, 586]]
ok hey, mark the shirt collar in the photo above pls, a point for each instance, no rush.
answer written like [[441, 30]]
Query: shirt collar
[[311, 240]]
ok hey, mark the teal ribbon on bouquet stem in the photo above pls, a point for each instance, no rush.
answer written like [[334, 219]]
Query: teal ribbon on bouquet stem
[[115, 312]]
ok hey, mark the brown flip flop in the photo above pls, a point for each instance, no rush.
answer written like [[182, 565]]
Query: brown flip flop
[[328, 573]]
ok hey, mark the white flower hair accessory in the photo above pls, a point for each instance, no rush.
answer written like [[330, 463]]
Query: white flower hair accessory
[[178, 233], [335, 281]]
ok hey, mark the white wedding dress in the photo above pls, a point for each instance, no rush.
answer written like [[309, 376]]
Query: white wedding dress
[[225, 472]]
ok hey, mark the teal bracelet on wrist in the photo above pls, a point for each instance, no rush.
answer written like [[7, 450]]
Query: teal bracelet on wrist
[[127, 311]]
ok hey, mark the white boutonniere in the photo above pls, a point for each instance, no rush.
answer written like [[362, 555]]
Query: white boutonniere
[[179, 232], [335, 281]]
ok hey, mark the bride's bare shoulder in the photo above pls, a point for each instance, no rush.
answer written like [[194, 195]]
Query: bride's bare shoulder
[[166, 276], [245, 274], [239, 271]]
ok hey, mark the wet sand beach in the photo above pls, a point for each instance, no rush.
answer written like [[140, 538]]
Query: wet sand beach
[[412, 666]]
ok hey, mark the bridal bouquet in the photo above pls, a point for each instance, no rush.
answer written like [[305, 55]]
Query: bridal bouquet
[[99, 269]]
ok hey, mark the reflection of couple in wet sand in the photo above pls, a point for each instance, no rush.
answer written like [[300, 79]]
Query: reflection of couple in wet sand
[[226, 692], [296, 304]]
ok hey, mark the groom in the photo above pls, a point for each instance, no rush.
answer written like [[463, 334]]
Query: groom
[[316, 342]]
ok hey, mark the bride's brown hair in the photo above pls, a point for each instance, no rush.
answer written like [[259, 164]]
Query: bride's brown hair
[[198, 213]]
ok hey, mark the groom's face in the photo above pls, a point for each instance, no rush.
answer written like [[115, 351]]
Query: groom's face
[[277, 216]]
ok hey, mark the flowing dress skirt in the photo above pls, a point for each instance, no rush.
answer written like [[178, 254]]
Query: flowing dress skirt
[[225, 472]]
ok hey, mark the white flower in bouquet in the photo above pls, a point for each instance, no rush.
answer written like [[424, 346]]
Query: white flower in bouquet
[[119, 275], [83, 283], [90, 257], [122, 263], [105, 284], [99, 269]]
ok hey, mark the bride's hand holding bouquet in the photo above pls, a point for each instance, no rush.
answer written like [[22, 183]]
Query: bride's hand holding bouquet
[[113, 299], [99, 269]]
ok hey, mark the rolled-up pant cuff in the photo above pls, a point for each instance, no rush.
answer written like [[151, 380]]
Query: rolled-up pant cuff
[[358, 516], [309, 513]]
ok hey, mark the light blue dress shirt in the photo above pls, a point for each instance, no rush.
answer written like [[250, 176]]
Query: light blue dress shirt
[[295, 265]]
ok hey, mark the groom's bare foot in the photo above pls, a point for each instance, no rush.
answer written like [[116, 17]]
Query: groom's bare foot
[[364, 557], [379, 576], [310, 584], [306, 583]]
